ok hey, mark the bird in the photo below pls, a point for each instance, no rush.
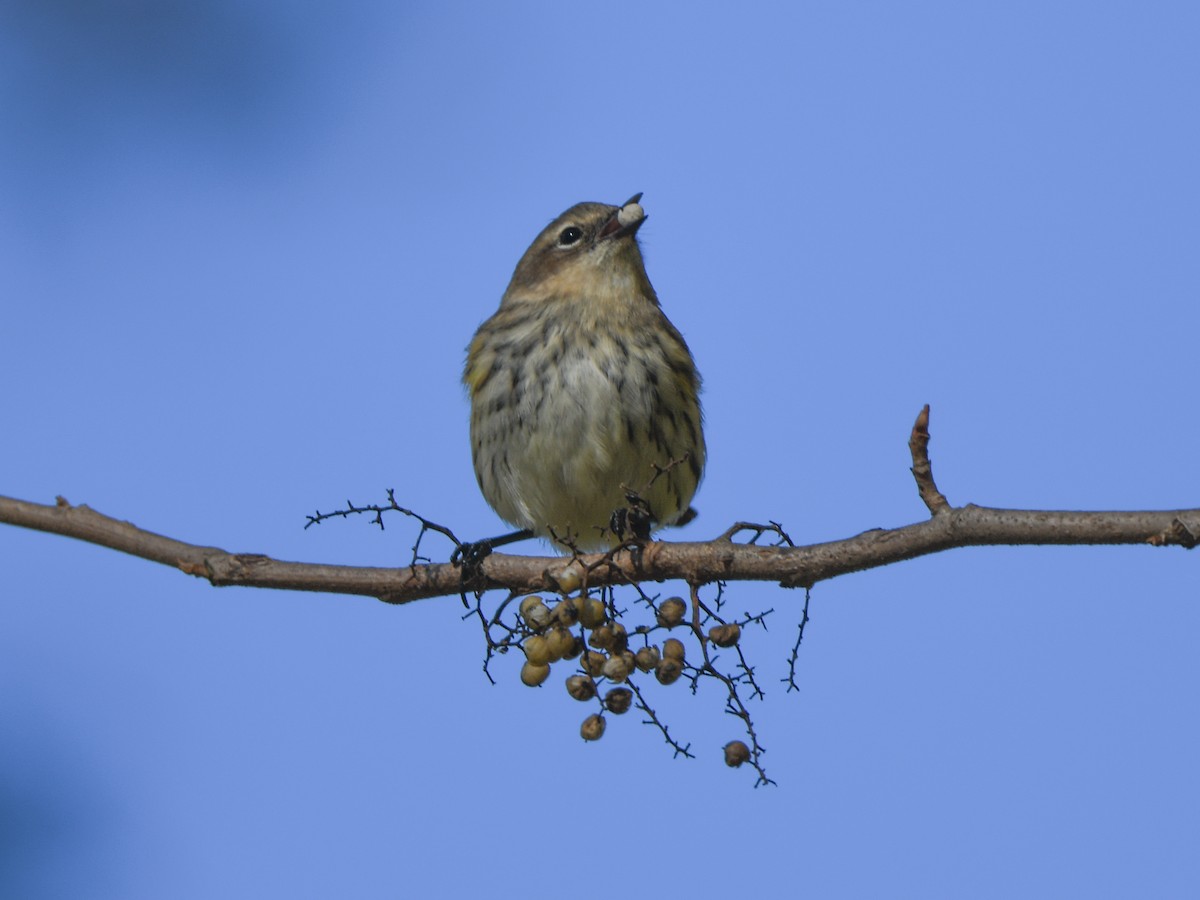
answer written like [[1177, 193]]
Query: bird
[[584, 397]]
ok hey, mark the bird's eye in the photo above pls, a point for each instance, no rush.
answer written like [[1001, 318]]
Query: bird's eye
[[569, 236]]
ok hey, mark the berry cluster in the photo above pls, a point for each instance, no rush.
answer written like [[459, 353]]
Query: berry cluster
[[589, 633]]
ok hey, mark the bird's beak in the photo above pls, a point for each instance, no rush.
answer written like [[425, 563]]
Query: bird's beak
[[626, 220]]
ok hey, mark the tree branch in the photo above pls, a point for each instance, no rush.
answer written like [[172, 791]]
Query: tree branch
[[696, 563]]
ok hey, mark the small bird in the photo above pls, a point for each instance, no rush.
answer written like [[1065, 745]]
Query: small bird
[[584, 397]]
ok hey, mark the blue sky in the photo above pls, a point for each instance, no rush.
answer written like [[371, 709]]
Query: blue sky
[[242, 249]]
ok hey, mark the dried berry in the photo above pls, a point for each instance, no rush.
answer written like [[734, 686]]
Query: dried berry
[[646, 658], [560, 641], [534, 611], [581, 687], [534, 675], [673, 649], [668, 670], [592, 728], [566, 613], [537, 650], [616, 669], [591, 612], [736, 753], [620, 637], [575, 649], [725, 635], [601, 638], [618, 700], [671, 612]]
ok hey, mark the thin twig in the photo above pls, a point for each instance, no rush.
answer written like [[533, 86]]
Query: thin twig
[[922, 469], [790, 681]]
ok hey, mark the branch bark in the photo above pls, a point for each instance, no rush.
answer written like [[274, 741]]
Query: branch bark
[[696, 563]]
